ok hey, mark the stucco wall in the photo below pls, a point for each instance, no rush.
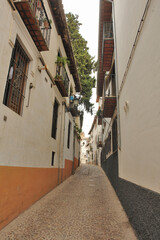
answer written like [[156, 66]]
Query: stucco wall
[[36, 120], [26, 145], [140, 131], [127, 18]]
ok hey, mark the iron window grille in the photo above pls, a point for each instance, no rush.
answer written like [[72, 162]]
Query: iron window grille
[[54, 119], [16, 81], [52, 162], [69, 132]]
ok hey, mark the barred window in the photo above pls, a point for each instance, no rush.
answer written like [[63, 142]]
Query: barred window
[[16, 80], [54, 119], [69, 133]]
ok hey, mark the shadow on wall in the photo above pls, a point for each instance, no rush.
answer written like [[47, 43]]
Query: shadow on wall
[[141, 205]]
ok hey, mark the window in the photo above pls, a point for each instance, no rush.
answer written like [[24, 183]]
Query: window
[[16, 80], [69, 131], [52, 162], [114, 135], [54, 119]]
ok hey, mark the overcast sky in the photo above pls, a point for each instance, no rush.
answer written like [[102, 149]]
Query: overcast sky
[[88, 12]]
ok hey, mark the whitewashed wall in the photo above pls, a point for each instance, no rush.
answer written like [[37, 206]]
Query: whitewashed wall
[[26, 140], [140, 130]]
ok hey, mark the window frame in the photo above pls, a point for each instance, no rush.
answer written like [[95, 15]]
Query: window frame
[[14, 94], [55, 119], [69, 134]]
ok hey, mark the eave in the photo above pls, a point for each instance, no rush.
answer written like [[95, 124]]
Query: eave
[[105, 15]]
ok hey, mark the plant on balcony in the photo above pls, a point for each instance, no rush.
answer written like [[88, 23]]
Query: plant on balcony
[[62, 61], [58, 78], [46, 22], [99, 113], [39, 5], [78, 131]]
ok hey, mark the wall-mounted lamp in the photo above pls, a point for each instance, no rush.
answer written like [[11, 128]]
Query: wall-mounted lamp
[[45, 67], [74, 100]]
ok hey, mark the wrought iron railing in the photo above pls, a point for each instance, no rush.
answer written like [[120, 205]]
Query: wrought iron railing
[[109, 91], [65, 79], [41, 17], [99, 141], [108, 30]]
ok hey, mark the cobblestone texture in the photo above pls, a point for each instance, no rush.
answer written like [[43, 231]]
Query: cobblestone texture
[[143, 209], [84, 207]]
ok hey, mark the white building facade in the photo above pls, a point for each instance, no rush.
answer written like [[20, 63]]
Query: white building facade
[[37, 137], [131, 43]]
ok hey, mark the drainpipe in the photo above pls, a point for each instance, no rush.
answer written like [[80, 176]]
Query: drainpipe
[[63, 137], [73, 147], [61, 145]]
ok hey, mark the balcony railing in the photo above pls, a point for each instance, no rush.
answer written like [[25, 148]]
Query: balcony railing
[[99, 120], [73, 109], [63, 81], [109, 97], [99, 141], [110, 79], [108, 45], [36, 20], [108, 30]]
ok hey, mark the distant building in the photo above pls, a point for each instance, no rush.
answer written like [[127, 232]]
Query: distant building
[[84, 157], [96, 140]]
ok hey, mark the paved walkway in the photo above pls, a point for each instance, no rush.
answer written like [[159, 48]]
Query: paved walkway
[[84, 207]]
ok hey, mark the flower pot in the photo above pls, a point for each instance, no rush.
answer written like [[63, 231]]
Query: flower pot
[[46, 24], [39, 5]]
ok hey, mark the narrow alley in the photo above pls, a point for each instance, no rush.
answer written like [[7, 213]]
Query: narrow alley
[[85, 206]]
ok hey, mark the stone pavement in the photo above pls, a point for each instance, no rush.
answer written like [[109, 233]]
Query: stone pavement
[[84, 207]]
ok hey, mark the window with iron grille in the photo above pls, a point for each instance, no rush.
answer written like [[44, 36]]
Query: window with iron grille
[[52, 162], [69, 132], [114, 135], [16, 80], [54, 119]]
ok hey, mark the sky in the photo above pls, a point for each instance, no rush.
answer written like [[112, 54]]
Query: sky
[[88, 12]]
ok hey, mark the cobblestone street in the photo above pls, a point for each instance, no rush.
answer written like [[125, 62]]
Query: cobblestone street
[[84, 207]]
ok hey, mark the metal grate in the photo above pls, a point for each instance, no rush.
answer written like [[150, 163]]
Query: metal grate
[[16, 80], [108, 30], [65, 79]]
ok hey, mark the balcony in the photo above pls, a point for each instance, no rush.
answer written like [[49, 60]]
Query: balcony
[[109, 103], [99, 142], [73, 106], [108, 45], [109, 106], [62, 82], [99, 120], [36, 21], [73, 109]]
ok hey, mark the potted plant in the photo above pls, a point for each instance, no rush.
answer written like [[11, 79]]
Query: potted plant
[[99, 113], [46, 22], [39, 5], [58, 77], [62, 61]]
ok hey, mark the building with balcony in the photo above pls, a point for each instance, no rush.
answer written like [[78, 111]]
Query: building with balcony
[[106, 83], [128, 86], [126, 89], [39, 147]]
